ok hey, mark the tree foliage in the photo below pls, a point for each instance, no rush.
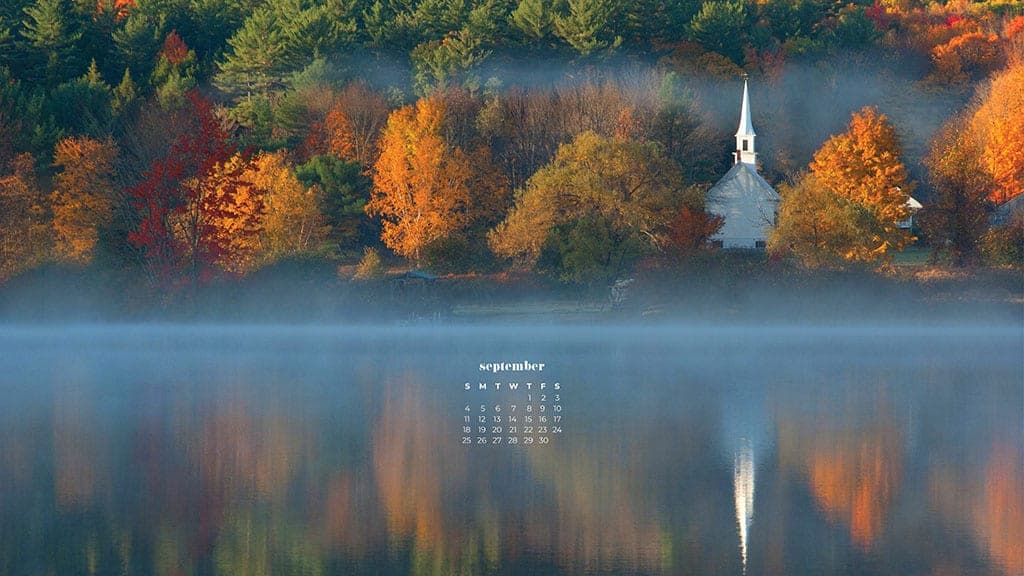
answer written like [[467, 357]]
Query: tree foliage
[[25, 234], [619, 188], [863, 165], [342, 190], [956, 217], [823, 228], [998, 123], [420, 182], [719, 27], [588, 26], [83, 196], [192, 214], [292, 224]]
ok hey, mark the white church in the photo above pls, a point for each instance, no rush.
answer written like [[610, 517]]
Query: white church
[[748, 204]]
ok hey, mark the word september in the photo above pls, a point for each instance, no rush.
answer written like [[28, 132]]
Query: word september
[[524, 366]]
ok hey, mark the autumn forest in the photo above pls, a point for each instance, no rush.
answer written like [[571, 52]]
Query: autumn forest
[[166, 146]]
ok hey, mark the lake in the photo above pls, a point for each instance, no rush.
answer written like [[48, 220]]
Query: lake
[[681, 449]]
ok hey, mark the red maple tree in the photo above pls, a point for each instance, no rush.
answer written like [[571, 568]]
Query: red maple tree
[[184, 198]]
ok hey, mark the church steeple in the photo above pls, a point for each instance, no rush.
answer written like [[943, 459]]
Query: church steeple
[[745, 152]]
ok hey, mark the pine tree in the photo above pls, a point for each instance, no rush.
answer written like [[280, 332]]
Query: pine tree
[[51, 30], [259, 57], [719, 27], [587, 28], [125, 93], [138, 41], [533, 19]]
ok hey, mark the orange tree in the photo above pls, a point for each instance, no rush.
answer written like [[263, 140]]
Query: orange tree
[[998, 124], [81, 199], [863, 165], [421, 184]]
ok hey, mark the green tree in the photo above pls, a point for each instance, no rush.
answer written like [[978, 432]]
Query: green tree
[[82, 106], [455, 59], [853, 29], [342, 191], [26, 122], [719, 27], [52, 31], [824, 229], [626, 188], [534, 21], [587, 251], [588, 27], [487, 20], [138, 41], [125, 94], [175, 72], [259, 57]]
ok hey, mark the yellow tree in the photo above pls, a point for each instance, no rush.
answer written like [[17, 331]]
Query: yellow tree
[[822, 228], [863, 165], [293, 223], [232, 211], [998, 123], [81, 198], [24, 223], [600, 204], [421, 184]]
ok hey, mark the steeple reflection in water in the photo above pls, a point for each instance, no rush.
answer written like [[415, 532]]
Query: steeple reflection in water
[[743, 486]]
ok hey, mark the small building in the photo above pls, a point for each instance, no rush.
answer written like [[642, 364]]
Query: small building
[[913, 206], [748, 204]]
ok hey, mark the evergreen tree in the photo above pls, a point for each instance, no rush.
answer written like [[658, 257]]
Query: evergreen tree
[[487, 20], [51, 31], [138, 41], [259, 58], [125, 94], [439, 65], [7, 45], [719, 26], [534, 20], [587, 27], [175, 73], [342, 191], [26, 124], [83, 106]]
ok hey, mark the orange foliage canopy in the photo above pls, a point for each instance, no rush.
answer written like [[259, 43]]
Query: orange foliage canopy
[[998, 124], [351, 127], [863, 164], [81, 196], [420, 183], [967, 56]]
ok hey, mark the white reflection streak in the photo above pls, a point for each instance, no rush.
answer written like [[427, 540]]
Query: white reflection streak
[[743, 485]]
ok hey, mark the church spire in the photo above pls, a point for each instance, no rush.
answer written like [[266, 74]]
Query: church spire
[[745, 133]]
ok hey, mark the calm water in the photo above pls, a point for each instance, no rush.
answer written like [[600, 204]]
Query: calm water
[[685, 450]]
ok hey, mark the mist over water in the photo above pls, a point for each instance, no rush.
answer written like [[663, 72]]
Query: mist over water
[[687, 448]]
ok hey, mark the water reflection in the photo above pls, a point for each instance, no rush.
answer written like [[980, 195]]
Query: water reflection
[[331, 454], [743, 486]]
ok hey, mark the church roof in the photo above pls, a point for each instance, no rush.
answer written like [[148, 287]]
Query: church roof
[[742, 180]]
